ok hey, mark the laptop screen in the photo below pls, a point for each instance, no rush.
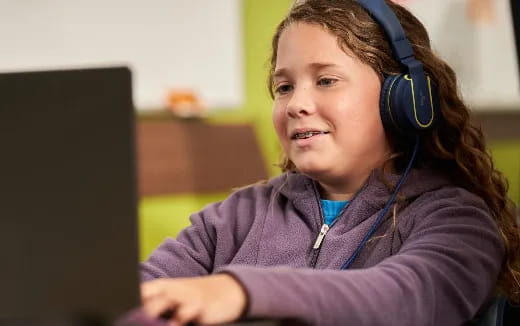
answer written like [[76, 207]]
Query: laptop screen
[[68, 235]]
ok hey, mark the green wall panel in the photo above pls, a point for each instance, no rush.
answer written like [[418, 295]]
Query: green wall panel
[[164, 216], [506, 155]]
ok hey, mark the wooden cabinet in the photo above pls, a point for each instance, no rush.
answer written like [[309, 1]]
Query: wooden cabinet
[[187, 156]]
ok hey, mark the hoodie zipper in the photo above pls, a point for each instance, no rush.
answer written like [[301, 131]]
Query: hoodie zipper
[[319, 239], [324, 227]]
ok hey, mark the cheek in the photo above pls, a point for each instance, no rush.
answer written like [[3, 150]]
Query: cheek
[[372, 134], [360, 123], [280, 124]]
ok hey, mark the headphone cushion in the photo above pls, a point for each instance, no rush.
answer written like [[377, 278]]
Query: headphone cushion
[[386, 104], [396, 106]]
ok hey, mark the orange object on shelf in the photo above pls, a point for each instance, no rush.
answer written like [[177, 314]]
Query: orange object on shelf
[[185, 103]]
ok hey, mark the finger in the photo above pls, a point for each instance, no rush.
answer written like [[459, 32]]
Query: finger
[[151, 289], [156, 306], [186, 313]]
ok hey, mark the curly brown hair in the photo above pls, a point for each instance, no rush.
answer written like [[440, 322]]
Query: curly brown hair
[[456, 146]]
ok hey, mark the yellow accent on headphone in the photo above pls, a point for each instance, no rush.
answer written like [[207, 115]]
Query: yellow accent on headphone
[[407, 77]]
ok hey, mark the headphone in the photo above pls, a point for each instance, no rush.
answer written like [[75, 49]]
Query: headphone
[[408, 101]]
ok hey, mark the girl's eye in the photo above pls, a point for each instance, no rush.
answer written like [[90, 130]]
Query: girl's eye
[[283, 89], [326, 81]]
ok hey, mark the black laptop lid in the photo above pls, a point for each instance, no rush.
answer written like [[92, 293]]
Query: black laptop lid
[[68, 239]]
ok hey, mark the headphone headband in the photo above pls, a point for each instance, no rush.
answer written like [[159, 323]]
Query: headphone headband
[[385, 16], [408, 101]]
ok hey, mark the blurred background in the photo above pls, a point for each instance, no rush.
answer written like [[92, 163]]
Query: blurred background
[[200, 84]]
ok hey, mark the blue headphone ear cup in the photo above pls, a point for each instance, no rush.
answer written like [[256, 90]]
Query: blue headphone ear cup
[[397, 106], [386, 107]]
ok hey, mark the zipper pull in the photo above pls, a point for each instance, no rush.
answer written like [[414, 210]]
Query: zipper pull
[[323, 232]]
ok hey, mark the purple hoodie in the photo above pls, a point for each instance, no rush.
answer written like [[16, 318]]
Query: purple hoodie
[[434, 263]]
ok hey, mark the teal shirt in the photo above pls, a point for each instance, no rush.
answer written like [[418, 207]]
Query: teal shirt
[[331, 209]]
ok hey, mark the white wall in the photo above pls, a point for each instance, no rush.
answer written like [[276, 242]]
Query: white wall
[[483, 55], [167, 43]]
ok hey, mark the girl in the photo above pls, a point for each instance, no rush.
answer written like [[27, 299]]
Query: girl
[[350, 233]]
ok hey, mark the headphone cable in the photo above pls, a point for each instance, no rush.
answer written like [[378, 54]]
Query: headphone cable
[[387, 206]]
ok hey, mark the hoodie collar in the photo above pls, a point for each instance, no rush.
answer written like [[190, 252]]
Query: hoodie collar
[[297, 186]]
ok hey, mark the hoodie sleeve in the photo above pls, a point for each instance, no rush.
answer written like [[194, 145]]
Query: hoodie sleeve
[[212, 239], [444, 271], [190, 254]]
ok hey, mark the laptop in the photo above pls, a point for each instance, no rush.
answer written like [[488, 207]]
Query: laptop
[[68, 205]]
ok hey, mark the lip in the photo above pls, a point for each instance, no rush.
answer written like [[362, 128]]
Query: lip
[[306, 142], [293, 133]]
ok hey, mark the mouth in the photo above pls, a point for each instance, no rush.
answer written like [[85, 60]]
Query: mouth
[[308, 134]]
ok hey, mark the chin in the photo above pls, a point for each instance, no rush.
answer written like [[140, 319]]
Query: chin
[[311, 169]]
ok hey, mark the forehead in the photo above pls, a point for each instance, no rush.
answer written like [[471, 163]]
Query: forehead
[[310, 42]]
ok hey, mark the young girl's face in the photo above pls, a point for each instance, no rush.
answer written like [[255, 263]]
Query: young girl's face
[[326, 107]]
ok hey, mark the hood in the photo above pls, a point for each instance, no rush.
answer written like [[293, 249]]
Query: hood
[[296, 186]]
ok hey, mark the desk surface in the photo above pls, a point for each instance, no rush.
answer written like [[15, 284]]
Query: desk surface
[[257, 323], [138, 318]]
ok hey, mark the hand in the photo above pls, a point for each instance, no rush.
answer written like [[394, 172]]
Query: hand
[[205, 300]]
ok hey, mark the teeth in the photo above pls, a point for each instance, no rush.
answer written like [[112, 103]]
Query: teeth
[[308, 134]]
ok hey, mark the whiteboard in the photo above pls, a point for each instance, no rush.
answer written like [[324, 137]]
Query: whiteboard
[[186, 44], [483, 54]]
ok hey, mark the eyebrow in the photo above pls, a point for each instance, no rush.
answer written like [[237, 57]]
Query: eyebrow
[[314, 66]]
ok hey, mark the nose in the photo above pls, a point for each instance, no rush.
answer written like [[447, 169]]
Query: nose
[[300, 103]]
